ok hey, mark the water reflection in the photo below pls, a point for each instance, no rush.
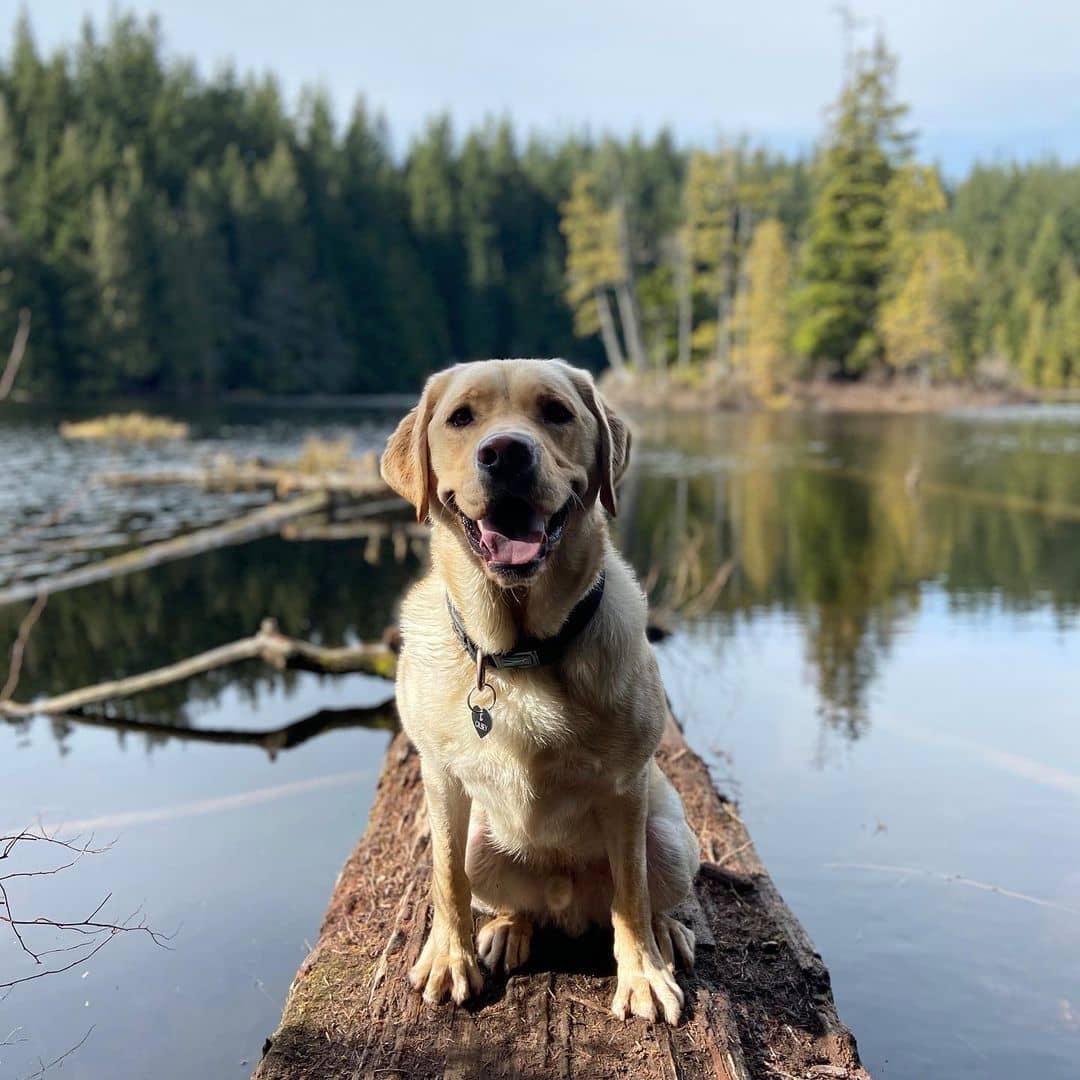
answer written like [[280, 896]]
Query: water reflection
[[843, 521], [840, 522], [325, 593]]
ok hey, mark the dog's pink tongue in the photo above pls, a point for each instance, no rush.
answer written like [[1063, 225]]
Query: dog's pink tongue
[[507, 550]]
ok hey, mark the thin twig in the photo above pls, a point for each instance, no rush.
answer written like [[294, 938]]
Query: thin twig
[[15, 357], [67, 1053], [18, 649]]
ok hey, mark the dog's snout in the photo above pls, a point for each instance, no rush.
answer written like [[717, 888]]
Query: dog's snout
[[507, 457]]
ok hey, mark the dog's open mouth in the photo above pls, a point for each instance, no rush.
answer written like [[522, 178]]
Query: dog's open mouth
[[513, 537]]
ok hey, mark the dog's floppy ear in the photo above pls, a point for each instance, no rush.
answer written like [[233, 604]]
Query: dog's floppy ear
[[612, 443], [406, 465]]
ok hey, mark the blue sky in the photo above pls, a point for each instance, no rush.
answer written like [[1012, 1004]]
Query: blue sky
[[991, 79]]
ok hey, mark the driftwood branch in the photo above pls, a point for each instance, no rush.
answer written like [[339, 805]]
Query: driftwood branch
[[15, 357], [758, 1003], [268, 645], [261, 522]]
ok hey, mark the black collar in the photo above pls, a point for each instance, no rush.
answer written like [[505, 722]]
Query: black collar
[[534, 652]]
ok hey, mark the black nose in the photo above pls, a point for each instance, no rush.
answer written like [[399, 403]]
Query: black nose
[[507, 457]]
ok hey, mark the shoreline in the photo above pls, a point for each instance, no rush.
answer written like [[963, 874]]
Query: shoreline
[[652, 392]]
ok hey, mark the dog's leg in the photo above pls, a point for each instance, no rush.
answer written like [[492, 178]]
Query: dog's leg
[[447, 962], [644, 979]]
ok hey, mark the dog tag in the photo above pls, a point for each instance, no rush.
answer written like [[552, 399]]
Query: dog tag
[[481, 720]]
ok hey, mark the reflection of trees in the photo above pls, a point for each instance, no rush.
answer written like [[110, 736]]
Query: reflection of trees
[[827, 518], [325, 593]]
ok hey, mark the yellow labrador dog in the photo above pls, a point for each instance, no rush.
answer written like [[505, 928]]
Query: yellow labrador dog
[[527, 685]]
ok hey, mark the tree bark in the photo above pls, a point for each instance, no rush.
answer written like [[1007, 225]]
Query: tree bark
[[758, 1003]]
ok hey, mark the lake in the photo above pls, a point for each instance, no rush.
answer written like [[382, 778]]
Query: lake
[[876, 648]]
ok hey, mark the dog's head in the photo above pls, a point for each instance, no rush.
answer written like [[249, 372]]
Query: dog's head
[[510, 453]]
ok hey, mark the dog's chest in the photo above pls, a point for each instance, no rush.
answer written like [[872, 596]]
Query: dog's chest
[[538, 774]]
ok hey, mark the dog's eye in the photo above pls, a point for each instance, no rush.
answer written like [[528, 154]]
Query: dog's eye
[[555, 412], [461, 417]]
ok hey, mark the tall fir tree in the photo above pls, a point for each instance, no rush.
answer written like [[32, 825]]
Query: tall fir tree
[[846, 260]]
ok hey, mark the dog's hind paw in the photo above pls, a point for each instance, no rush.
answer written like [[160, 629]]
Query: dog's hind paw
[[675, 941], [504, 942]]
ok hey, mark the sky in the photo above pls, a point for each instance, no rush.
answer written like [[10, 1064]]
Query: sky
[[986, 79]]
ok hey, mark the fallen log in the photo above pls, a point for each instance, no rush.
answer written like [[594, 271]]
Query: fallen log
[[268, 645], [261, 522], [759, 1003]]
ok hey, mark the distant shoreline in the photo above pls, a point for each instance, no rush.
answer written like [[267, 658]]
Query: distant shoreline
[[653, 392]]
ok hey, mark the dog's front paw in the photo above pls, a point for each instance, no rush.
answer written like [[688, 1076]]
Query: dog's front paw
[[644, 981], [446, 970]]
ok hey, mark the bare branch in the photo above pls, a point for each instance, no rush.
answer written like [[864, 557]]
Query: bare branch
[[95, 933], [15, 357]]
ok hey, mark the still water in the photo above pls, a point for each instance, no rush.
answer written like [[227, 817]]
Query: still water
[[877, 650]]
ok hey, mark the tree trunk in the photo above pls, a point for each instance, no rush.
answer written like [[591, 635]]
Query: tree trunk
[[608, 333], [628, 316], [684, 304], [758, 1002], [626, 294]]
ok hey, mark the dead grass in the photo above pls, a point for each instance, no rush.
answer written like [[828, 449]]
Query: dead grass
[[323, 455], [133, 427]]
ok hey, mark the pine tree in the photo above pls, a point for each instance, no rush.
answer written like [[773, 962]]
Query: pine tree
[[846, 261]]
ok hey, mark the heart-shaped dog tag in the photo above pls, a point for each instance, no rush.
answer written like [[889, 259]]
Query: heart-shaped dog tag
[[481, 720]]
